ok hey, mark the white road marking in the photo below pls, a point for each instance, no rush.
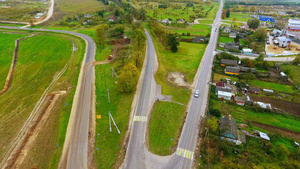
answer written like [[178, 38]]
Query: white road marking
[[185, 153], [140, 118]]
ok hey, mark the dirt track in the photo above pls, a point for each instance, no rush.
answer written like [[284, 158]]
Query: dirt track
[[286, 106], [285, 132]]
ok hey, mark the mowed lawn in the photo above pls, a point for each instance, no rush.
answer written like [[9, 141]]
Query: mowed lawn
[[260, 84], [224, 39], [7, 46], [39, 59], [240, 113], [293, 72], [108, 144], [196, 29], [240, 16], [169, 115], [205, 21], [185, 61]]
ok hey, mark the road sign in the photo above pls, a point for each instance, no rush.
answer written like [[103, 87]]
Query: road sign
[[98, 116]]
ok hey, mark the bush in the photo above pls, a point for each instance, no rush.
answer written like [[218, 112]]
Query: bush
[[215, 112]]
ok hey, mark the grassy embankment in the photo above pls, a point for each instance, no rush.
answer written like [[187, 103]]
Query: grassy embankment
[[260, 84], [185, 61], [293, 72], [7, 46], [10, 24], [34, 72]]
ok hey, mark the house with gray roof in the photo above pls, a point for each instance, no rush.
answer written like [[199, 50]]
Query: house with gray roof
[[231, 45], [229, 130], [229, 62]]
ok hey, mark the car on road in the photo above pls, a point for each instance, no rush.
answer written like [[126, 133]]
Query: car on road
[[196, 93]]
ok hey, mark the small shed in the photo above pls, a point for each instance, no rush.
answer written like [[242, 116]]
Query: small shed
[[229, 130], [232, 35], [254, 90], [240, 100]]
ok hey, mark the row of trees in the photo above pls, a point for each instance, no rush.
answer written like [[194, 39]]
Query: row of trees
[[169, 40]]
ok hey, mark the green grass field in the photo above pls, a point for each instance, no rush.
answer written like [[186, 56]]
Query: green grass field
[[197, 29], [84, 6], [224, 39], [119, 106], [242, 114], [33, 74], [205, 21], [243, 17], [7, 46], [169, 115], [293, 72], [10, 24]]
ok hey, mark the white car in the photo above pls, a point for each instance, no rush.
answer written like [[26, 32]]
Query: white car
[[196, 93]]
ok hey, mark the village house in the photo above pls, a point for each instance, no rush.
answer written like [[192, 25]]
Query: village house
[[111, 19], [227, 30], [165, 21], [283, 41], [231, 45], [254, 90], [232, 70], [224, 93], [181, 21], [241, 100], [229, 130], [87, 15], [228, 62], [198, 39], [222, 84], [232, 35], [247, 51]]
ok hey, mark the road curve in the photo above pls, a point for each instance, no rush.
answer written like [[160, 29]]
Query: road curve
[[76, 143]]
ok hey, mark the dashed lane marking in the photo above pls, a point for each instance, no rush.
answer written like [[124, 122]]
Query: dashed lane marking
[[140, 118], [185, 153]]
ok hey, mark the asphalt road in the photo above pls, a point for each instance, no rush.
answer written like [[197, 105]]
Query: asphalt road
[[137, 155], [76, 145]]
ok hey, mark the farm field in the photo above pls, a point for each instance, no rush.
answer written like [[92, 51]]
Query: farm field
[[21, 11], [177, 11], [195, 30], [33, 73], [84, 6], [293, 71], [260, 84], [163, 139], [205, 21], [7, 46], [246, 114]]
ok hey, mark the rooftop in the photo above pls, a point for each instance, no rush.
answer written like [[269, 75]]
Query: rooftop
[[283, 39], [232, 69], [229, 62]]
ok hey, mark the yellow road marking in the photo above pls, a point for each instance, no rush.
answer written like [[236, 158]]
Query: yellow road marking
[[185, 153], [140, 118]]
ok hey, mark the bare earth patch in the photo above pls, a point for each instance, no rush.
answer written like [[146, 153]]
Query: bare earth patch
[[178, 79], [275, 50]]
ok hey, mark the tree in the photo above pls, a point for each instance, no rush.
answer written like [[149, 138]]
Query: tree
[[260, 58], [215, 112], [101, 34], [297, 59], [31, 22], [253, 9], [128, 78], [247, 76], [137, 58], [100, 13], [279, 24], [117, 13], [212, 123], [139, 39], [227, 13], [173, 43], [253, 23], [260, 34]]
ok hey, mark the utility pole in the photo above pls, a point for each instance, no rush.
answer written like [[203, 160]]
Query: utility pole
[[109, 121], [108, 95], [114, 122]]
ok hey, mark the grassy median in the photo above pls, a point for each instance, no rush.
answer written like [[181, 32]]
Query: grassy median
[[163, 139]]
